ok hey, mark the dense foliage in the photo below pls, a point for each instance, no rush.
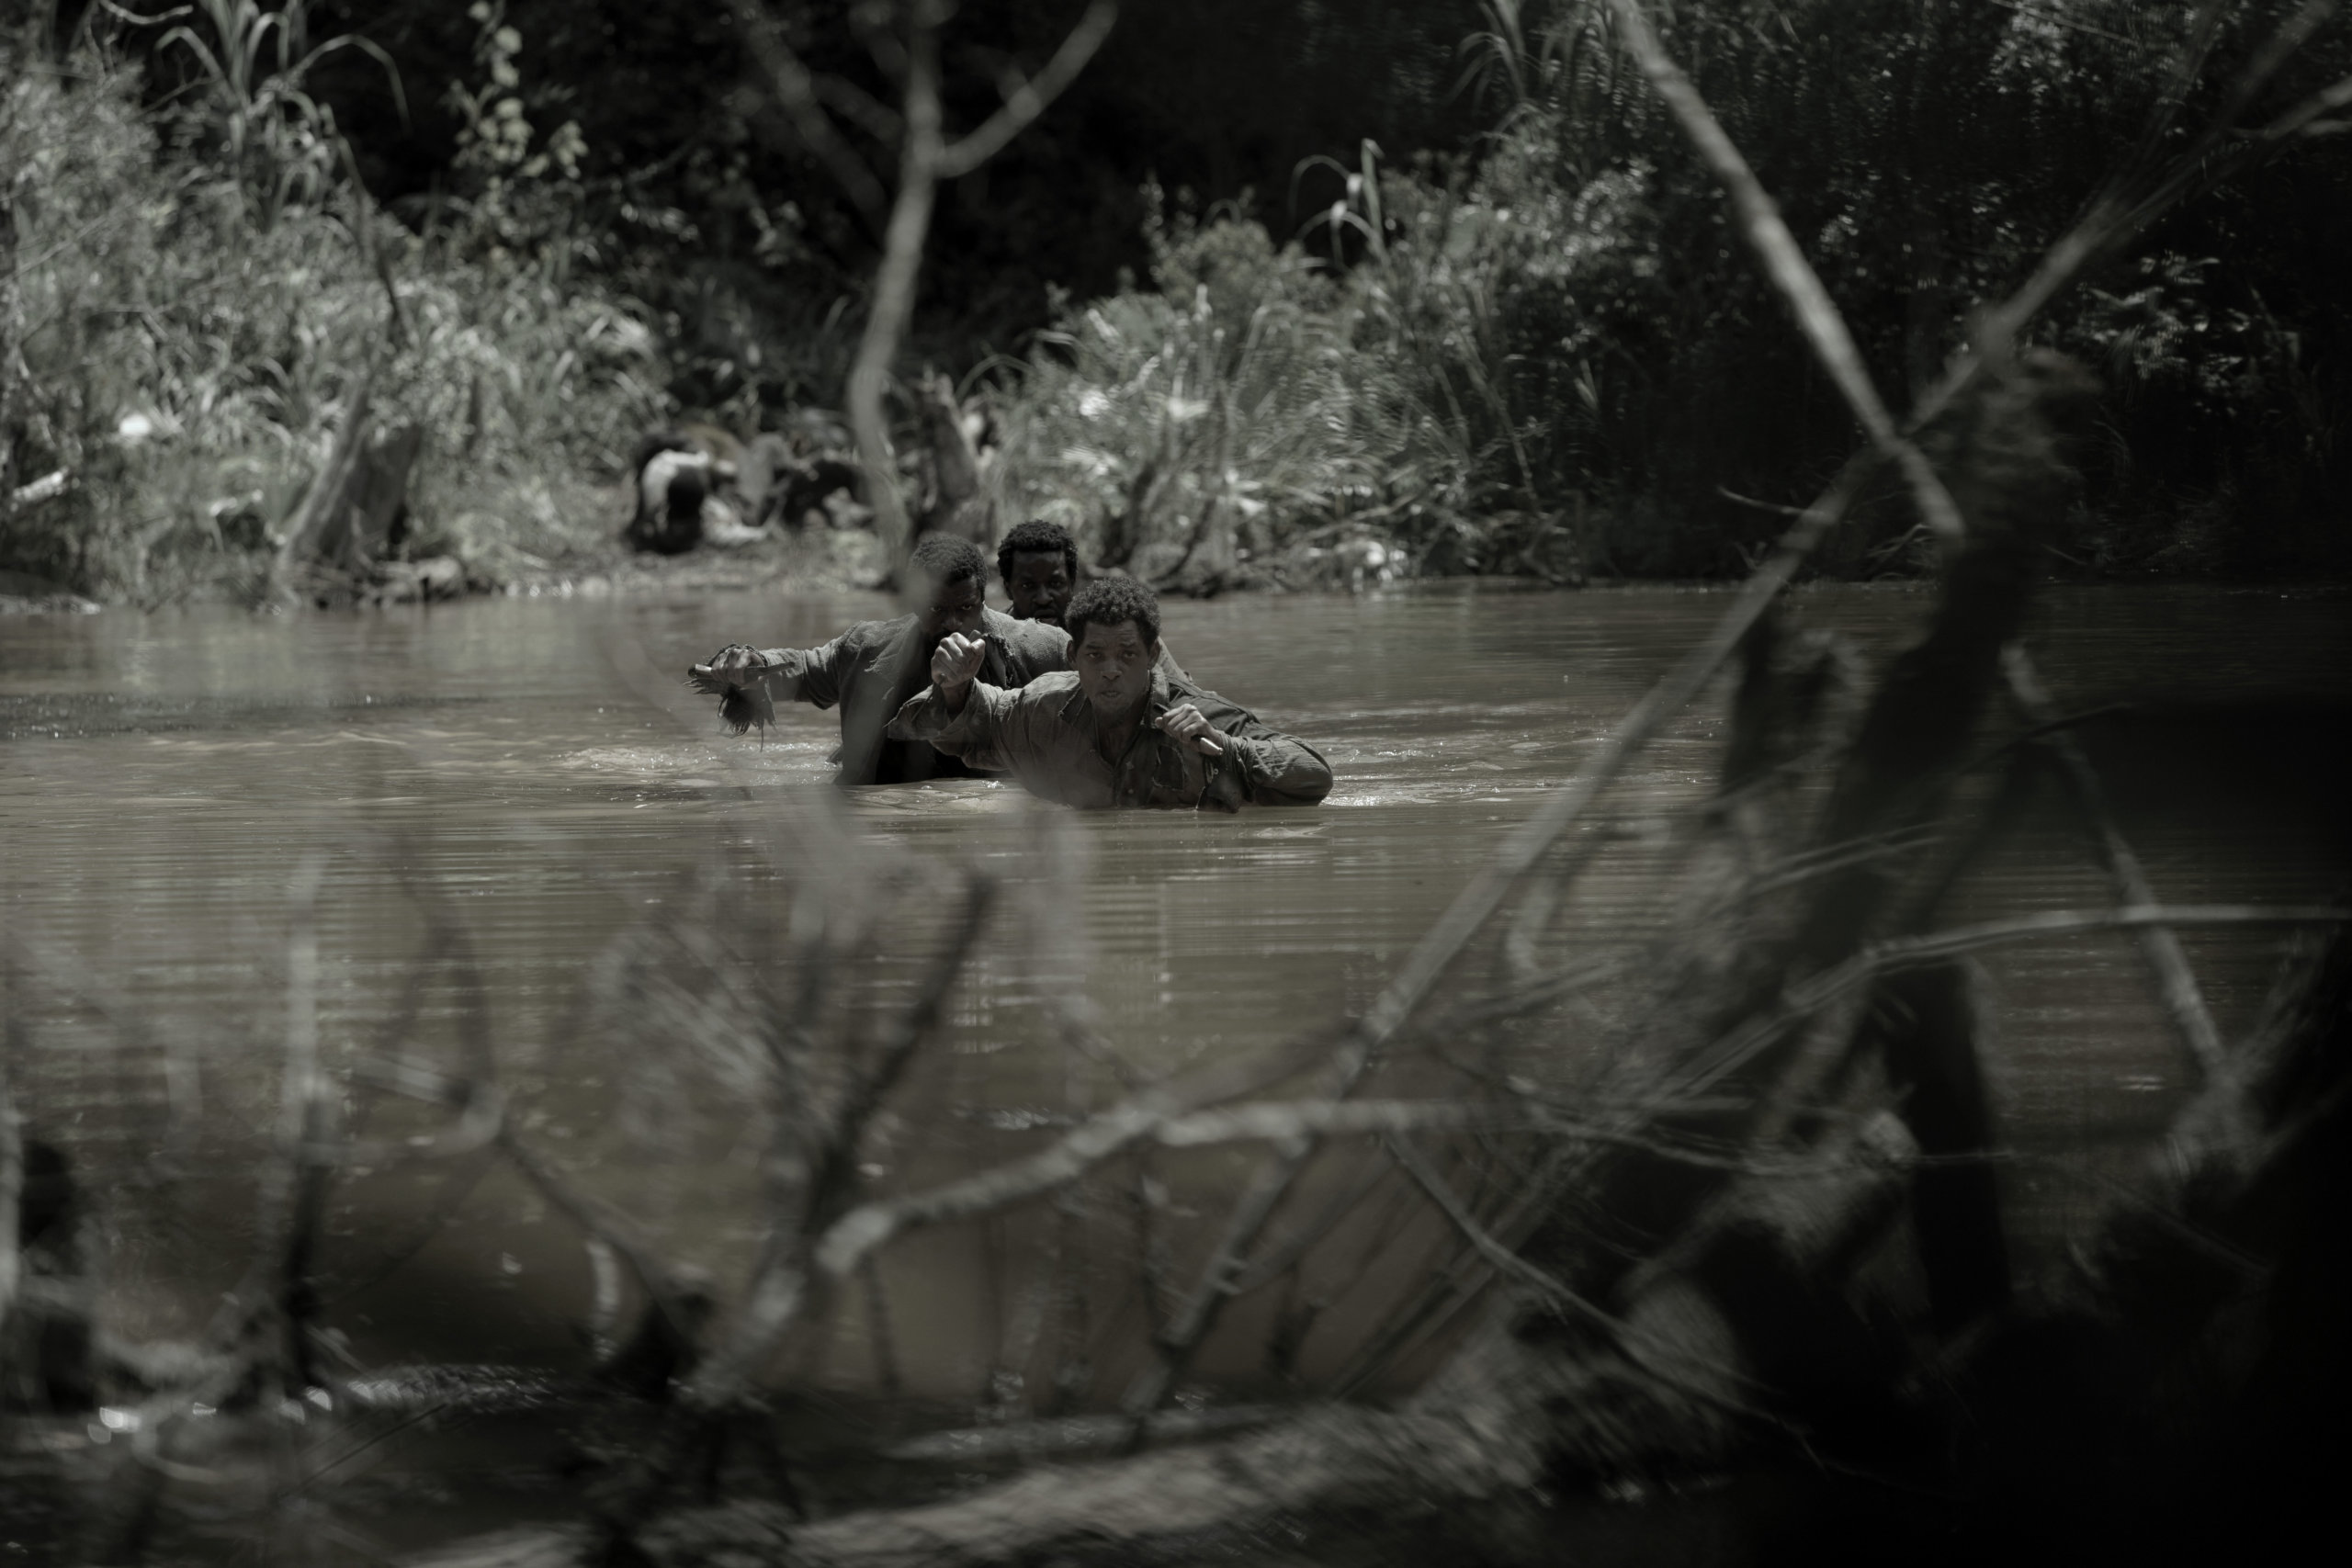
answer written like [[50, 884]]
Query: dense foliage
[[1433, 274], [197, 296], [1556, 355]]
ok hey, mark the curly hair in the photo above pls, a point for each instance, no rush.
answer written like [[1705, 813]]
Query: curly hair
[[1107, 601], [1040, 538], [948, 558]]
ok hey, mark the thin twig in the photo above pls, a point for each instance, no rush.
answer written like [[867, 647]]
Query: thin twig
[[1558, 1295], [2175, 982], [289, 1191], [1140, 1119], [1826, 330], [608, 1224], [1282, 1254], [1760, 223], [1911, 952], [1501, 1257], [913, 1026], [1033, 98], [780, 1291], [877, 1329], [1520, 851]]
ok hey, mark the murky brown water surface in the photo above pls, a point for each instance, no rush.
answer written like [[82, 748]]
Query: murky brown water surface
[[534, 760]]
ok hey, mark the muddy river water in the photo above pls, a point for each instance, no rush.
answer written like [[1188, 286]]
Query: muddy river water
[[534, 763]]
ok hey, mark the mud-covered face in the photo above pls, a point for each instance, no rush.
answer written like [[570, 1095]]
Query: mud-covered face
[[1114, 665], [1040, 586], [955, 607]]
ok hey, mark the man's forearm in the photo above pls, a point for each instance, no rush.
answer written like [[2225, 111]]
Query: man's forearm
[[969, 734], [785, 675], [1278, 770]]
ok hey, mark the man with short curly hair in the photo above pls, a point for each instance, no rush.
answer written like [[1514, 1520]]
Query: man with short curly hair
[[873, 668], [1114, 729], [1038, 564]]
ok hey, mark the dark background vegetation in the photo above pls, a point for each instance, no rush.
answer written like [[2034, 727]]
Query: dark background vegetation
[[1222, 98], [1523, 340]]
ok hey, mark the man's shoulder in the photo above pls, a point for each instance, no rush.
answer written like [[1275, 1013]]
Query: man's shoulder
[[867, 636], [1218, 710], [1043, 646], [1050, 690]]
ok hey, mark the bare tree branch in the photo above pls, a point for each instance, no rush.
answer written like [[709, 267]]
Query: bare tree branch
[[1073, 1434], [2275, 52], [823, 1176], [924, 159], [2175, 984], [2305, 114], [893, 300], [2116, 217], [1139, 1118], [2187, 64], [1033, 98], [796, 90], [1760, 223], [913, 1026], [1482, 1241], [1909, 953], [293, 1193], [1520, 851], [868, 113], [608, 1224], [1824, 327]]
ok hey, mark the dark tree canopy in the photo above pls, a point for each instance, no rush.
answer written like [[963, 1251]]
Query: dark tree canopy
[[1215, 97]]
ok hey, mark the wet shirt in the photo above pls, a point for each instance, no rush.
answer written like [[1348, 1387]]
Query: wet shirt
[[1048, 734], [875, 666]]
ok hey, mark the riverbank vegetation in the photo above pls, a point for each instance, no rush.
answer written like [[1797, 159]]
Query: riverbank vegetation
[[199, 293], [1432, 289], [1548, 356]]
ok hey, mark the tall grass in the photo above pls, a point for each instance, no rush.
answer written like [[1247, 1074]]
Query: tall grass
[[1199, 425], [197, 295], [1255, 393]]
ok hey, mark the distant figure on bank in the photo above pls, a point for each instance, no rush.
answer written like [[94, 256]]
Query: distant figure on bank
[[1115, 730], [683, 481], [1038, 564], [873, 667]]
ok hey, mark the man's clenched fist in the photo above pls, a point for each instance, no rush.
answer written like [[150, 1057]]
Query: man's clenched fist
[[954, 664], [1187, 724], [733, 663]]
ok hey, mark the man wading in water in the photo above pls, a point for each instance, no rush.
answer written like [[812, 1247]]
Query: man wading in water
[[873, 667], [1038, 562], [1116, 730]]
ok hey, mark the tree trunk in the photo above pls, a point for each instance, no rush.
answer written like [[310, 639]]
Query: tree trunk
[[894, 296]]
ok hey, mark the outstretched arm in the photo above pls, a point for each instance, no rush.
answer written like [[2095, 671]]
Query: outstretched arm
[[959, 713], [747, 681]]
